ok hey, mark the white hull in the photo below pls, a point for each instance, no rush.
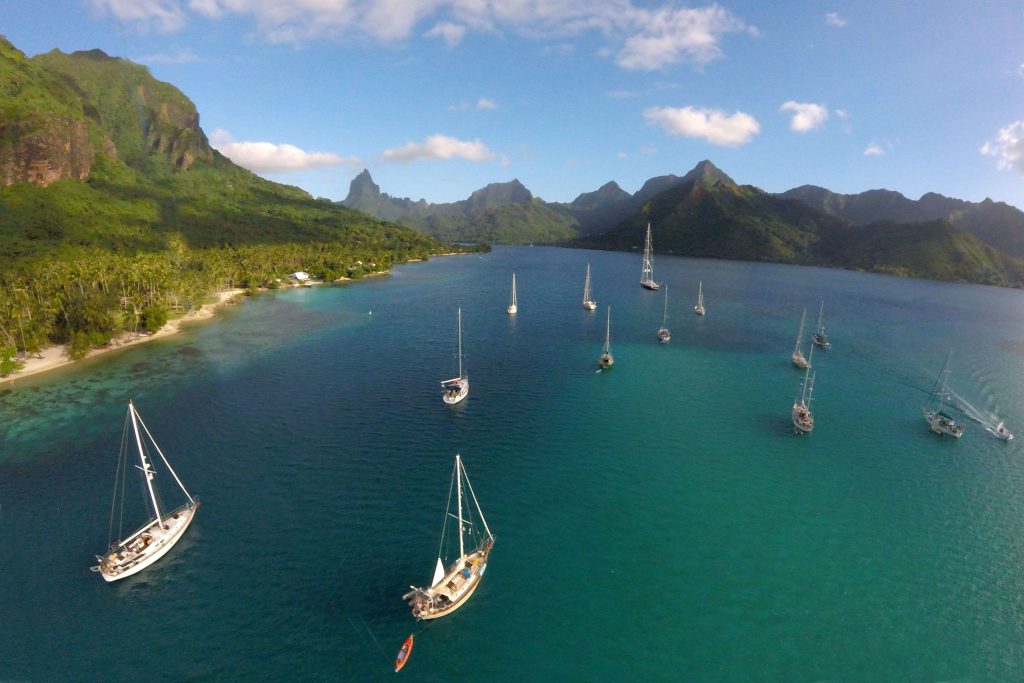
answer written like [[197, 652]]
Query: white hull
[[455, 390], [942, 424], [134, 554], [803, 421], [699, 310], [1000, 432], [799, 360], [606, 361], [590, 305], [650, 284], [664, 336], [512, 310]]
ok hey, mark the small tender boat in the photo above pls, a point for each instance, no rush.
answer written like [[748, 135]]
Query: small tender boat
[[1000, 432], [453, 585], [403, 654], [456, 388], [513, 307], [699, 308], [607, 360], [939, 421]]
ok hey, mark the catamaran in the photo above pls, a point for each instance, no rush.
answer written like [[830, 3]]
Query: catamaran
[[699, 308], [456, 388], [663, 333], [606, 360], [819, 337], [798, 354], [512, 307], [803, 420], [452, 586], [647, 272], [939, 421], [588, 303], [152, 540]]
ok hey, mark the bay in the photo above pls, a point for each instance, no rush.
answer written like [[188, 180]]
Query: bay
[[659, 520]]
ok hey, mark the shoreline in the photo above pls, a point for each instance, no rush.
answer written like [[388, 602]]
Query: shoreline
[[55, 356]]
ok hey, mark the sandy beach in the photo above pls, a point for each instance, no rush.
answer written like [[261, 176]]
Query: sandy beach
[[56, 356]]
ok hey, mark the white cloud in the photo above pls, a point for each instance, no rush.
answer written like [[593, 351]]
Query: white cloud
[[1008, 147], [833, 19], [807, 116], [639, 38], [486, 103], [713, 125], [671, 35], [269, 157], [1020, 70], [447, 31], [165, 16], [439, 147], [182, 56], [874, 150], [622, 94]]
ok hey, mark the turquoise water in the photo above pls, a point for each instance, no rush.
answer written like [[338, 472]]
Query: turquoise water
[[656, 521]]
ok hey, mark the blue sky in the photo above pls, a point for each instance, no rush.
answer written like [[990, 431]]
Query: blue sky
[[440, 97]]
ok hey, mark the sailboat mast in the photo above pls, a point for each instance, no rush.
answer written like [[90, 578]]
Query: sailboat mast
[[513, 289], [664, 317], [458, 475], [586, 286], [608, 332], [460, 343], [800, 333], [821, 317], [648, 270], [146, 469]]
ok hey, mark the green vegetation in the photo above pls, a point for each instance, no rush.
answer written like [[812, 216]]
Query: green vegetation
[[161, 220]]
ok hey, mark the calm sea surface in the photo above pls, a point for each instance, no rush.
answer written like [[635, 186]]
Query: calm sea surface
[[658, 521]]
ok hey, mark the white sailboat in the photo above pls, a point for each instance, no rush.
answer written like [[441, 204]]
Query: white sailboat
[[699, 308], [152, 540], [819, 337], [798, 354], [454, 583], [513, 307], [607, 360], [588, 303], [803, 420], [939, 421], [664, 335], [647, 272], [456, 388]]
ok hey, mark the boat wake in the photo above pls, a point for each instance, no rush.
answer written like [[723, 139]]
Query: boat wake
[[990, 421]]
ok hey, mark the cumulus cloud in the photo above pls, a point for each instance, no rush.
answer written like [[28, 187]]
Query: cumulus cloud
[[165, 16], [1008, 147], [448, 32], [439, 147], [833, 19], [713, 125], [486, 103], [874, 150], [639, 38], [807, 116], [270, 157]]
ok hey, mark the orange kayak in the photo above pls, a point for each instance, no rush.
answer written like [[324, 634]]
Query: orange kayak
[[403, 654]]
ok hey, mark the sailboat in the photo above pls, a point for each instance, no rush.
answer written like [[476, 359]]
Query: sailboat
[[152, 540], [663, 333], [588, 303], [512, 307], [819, 337], [803, 420], [699, 308], [606, 360], [453, 584], [798, 354], [647, 272], [456, 388], [939, 421]]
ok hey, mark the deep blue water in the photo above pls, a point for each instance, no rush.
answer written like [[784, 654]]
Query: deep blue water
[[656, 521]]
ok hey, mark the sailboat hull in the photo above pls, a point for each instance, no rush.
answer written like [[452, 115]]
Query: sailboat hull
[[943, 424], [664, 336], [650, 284], [799, 360], [590, 305], [455, 390], [454, 590], [145, 546], [803, 422]]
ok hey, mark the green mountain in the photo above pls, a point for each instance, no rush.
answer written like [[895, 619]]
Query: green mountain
[[709, 215], [499, 212], [113, 203]]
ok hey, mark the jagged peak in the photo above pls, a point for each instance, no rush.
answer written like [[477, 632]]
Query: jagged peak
[[706, 173]]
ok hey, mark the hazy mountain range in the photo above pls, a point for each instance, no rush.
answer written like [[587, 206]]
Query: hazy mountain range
[[705, 213]]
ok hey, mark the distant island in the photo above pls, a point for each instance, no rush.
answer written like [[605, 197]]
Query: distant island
[[116, 214], [705, 213]]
